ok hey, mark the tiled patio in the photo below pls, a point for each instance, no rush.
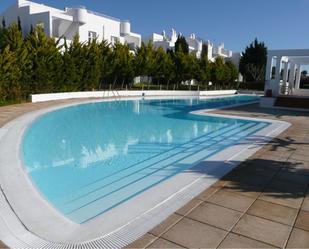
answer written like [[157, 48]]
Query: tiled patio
[[263, 203]]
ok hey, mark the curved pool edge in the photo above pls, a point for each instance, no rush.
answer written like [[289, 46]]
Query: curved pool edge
[[20, 195]]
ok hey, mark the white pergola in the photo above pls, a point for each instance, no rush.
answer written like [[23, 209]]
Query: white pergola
[[283, 71]]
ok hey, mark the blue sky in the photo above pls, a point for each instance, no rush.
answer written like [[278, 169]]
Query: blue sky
[[279, 23]]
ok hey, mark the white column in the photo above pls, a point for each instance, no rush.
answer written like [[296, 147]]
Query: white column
[[276, 87], [267, 73], [285, 72], [292, 74], [298, 75], [285, 76]]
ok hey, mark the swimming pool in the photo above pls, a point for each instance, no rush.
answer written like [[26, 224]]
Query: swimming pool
[[87, 159]]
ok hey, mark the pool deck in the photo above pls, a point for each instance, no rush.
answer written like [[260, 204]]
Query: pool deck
[[262, 203]]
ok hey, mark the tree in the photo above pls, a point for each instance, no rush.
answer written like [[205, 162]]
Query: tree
[[45, 57], [3, 23], [233, 73], [205, 68], [181, 45], [144, 60], [218, 73], [105, 63], [204, 53], [10, 75], [253, 62], [122, 64], [164, 67], [19, 23]]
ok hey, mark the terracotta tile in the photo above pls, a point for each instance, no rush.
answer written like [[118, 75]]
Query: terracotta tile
[[165, 225], [143, 242], [273, 212], [263, 230], [231, 200], [299, 239], [215, 215], [162, 243], [239, 241], [189, 207], [193, 234], [303, 220]]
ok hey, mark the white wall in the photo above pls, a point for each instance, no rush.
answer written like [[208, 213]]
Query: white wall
[[105, 94], [96, 24]]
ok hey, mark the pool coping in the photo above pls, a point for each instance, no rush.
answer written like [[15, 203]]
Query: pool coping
[[61, 232]]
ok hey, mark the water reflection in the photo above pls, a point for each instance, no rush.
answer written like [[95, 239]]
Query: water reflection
[[72, 152]]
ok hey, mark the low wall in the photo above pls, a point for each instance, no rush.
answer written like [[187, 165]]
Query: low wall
[[105, 94]]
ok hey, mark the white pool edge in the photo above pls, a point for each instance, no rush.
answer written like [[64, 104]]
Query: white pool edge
[[15, 234]]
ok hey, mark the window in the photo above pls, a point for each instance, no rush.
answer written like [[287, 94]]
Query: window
[[92, 36]]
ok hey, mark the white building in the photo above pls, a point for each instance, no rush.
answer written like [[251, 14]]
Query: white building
[[283, 71], [195, 44], [70, 22]]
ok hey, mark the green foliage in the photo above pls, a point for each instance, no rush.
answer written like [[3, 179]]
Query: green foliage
[[40, 64], [181, 45], [253, 62]]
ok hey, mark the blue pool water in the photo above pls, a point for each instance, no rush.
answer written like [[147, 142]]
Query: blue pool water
[[89, 158]]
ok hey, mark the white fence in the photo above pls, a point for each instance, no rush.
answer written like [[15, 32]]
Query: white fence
[[107, 94]]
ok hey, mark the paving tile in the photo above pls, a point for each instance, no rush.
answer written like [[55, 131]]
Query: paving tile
[[282, 198], [165, 225], [207, 193], [3, 246], [143, 242], [162, 243], [189, 207], [303, 220], [263, 230], [273, 212], [300, 157], [211, 214], [239, 241], [289, 186], [243, 189], [284, 193], [298, 166], [299, 239], [305, 205], [286, 175], [193, 234], [252, 178], [231, 200]]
